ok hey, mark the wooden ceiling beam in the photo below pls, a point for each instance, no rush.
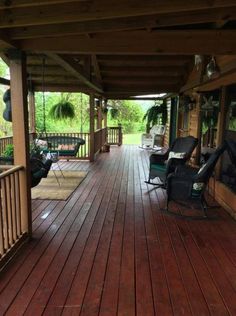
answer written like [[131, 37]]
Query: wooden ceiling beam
[[187, 42], [49, 70], [138, 62], [142, 71], [57, 78], [140, 81], [6, 42], [5, 82], [74, 69], [123, 97], [76, 11], [5, 58], [50, 87], [119, 24], [140, 91], [31, 3]]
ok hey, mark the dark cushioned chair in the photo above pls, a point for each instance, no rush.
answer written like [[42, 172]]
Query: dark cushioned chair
[[162, 164], [38, 168], [189, 184]]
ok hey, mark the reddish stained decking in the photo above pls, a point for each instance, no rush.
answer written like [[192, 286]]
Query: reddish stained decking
[[109, 250]]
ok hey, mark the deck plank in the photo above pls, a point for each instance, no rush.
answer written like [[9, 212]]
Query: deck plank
[[110, 250]]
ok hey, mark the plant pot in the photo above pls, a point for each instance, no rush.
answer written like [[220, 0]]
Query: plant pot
[[106, 148]]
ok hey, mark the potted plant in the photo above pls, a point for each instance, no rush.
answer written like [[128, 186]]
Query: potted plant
[[7, 155], [114, 113], [62, 110]]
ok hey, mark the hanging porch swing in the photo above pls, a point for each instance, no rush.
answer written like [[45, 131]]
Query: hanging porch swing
[[62, 145]]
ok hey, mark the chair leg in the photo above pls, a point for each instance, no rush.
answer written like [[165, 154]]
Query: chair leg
[[158, 185], [205, 207], [189, 217]]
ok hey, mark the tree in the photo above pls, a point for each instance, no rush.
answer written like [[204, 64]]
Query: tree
[[79, 124], [128, 113]]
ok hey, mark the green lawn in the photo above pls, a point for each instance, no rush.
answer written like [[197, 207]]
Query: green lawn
[[132, 139]]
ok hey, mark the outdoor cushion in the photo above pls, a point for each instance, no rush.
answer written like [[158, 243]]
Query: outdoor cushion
[[66, 147], [176, 155], [42, 144], [157, 167]]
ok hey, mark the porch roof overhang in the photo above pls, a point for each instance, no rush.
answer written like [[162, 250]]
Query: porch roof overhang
[[117, 49]]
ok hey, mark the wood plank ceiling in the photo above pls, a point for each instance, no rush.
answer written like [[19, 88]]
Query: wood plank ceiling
[[115, 48]]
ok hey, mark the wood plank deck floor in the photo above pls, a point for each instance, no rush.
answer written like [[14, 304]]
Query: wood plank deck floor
[[110, 250]]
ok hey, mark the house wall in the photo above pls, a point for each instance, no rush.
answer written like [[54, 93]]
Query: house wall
[[199, 82]]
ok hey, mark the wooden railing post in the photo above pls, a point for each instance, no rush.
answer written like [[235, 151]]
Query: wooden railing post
[[99, 112], [20, 131], [120, 136], [105, 114], [91, 111]]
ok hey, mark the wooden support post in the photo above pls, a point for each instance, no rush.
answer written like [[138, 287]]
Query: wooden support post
[[91, 110], [32, 120], [221, 126], [105, 113], [120, 135], [199, 130], [99, 111], [21, 132]]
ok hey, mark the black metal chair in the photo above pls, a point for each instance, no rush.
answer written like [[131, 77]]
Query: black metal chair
[[161, 165], [188, 184], [38, 169]]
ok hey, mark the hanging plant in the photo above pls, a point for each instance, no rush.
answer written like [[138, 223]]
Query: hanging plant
[[104, 110], [114, 113], [154, 115], [62, 110]]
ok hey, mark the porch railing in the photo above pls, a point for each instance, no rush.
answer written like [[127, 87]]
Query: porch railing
[[84, 150], [11, 212], [114, 135], [109, 135], [4, 141], [100, 139]]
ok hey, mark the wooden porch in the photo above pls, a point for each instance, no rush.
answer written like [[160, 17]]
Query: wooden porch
[[109, 250]]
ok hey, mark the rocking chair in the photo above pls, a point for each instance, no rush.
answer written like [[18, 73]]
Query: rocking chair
[[161, 165], [188, 184]]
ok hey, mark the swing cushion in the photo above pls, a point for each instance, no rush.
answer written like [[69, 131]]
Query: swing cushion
[[43, 144], [64, 145]]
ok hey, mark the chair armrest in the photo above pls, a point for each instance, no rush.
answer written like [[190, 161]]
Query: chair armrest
[[184, 170], [173, 163]]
